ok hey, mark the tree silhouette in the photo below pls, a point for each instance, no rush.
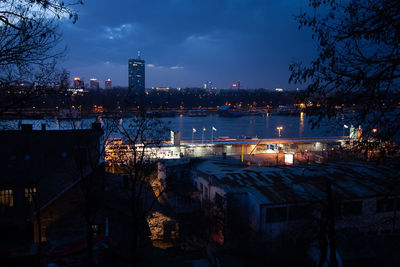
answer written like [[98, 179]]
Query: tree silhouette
[[357, 68], [29, 39]]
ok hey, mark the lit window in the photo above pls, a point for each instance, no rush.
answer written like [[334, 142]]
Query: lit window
[[29, 194], [6, 198]]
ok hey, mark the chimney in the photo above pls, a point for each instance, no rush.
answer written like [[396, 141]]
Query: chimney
[[26, 127], [43, 127]]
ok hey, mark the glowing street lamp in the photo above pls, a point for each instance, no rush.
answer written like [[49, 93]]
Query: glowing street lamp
[[279, 128], [344, 126], [193, 131], [374, 130]]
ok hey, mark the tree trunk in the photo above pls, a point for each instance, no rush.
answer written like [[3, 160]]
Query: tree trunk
[[331, 227], [89, 240], [39, 229]]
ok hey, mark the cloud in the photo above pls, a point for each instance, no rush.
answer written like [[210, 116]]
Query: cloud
[[114, 33], [150, 65], [222, 40], [176, 67]]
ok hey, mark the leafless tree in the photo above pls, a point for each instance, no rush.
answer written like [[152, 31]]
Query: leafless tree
[[357, 68], [29, 39], [135, 158]]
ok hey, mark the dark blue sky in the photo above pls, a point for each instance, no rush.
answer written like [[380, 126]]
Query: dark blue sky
[[186, 42]]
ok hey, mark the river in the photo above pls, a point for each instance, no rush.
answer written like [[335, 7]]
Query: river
[[251, 126]]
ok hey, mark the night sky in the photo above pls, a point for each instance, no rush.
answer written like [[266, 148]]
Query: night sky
[[187, 42]]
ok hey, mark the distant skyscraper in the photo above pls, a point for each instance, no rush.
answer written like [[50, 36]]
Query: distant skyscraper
[[78, 83], [136, 75], [207, 85], [108, 84], [94, 83]]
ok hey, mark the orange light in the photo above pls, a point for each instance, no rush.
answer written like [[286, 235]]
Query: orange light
[[77, 79], [374, 130]]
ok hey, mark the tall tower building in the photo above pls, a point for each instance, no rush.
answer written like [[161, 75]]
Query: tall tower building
[[136, 75], [78, 83], [94, 84], [107, 84]]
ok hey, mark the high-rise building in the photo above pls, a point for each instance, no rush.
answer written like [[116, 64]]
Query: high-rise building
[[78, 83], [107, 84], [207, 85], [94, 83], [136, 74]]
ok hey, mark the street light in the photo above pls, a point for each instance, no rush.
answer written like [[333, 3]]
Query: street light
[[344, 126], [279, 128]]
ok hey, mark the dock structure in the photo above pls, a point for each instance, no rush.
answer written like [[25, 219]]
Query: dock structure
[[233, 147]]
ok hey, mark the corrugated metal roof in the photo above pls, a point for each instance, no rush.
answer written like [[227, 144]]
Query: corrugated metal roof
[[292, 184]]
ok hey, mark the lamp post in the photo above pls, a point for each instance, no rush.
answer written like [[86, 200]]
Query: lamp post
[[202, 135], [212, 132], [193, 131], [279, 128], [344, 126]]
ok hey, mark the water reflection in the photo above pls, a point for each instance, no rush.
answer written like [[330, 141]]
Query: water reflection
[[301, 129]]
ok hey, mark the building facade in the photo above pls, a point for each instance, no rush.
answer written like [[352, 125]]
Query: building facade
[[276, 200], [78, 83], [94, 83], [39, 167], [136, 74], [107, 84]]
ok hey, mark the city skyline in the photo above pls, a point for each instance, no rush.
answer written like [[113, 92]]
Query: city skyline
[[188, 43]]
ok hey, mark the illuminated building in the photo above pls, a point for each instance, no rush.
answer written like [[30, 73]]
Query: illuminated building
[[207, 85], [162, 88], [236, 86], [108, 84], [136, 74], [78, 83], [94, 83]]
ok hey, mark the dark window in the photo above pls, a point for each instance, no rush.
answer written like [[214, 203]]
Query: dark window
[[337, 209], [276, 215], [219, 200], [385, 205], [299, 213], [352, 208]]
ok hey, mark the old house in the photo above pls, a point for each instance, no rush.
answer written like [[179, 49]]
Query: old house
[[40, 174], [274, 200]]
